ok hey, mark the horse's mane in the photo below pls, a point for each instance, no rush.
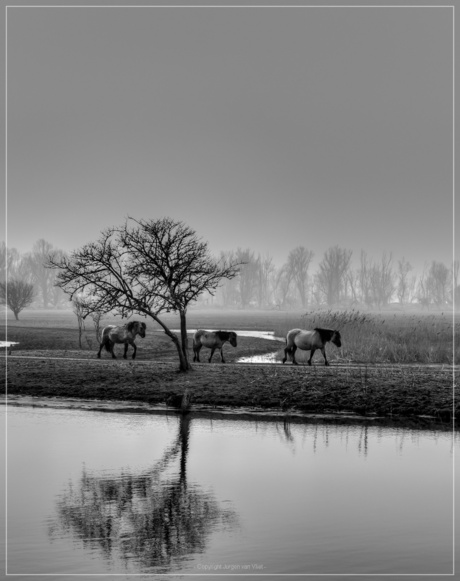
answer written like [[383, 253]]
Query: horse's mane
[[130, 325], [325, 334], [223, 335]]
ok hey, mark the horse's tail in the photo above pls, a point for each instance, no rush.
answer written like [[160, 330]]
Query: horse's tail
[[105, 341], [290, 339], [196, 339]]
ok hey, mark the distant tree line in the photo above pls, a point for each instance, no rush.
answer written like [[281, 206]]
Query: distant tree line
[[260, 283], [334, 282], [25, 281]]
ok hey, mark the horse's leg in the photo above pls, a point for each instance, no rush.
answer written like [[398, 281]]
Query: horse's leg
[[294, 349], [196, 353], [222, 355], [135, 349], [112, 346], [311, 355], [212, 353], [323, 351], [100, 349], [126, 350], [287, 351]]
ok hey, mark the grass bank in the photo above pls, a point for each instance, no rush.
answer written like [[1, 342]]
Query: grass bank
[[392, 365], [367, 337], [404, 392]]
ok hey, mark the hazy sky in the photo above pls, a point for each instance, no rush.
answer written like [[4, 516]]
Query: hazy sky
[[266, 128]]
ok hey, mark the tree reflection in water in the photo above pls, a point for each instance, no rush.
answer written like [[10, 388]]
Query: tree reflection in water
[[156, 522]]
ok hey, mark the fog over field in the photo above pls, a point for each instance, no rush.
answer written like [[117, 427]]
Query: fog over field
[[261, 128]]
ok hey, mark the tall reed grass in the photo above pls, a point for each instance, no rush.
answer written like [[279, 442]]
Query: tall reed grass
[[383, 338]]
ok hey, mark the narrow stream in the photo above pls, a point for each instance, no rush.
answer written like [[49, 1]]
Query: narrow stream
[[266, 358]]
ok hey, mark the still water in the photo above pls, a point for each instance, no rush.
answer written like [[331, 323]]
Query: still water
[[129, 493]]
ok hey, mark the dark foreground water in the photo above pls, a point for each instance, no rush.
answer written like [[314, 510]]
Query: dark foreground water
[[134, 494]]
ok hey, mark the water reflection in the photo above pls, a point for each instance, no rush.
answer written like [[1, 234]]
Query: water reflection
[[155, 518], [316, 498], [267, 358]]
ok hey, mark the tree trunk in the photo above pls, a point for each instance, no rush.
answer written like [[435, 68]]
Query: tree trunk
[[183, 334], [184, 363], [181, 345]]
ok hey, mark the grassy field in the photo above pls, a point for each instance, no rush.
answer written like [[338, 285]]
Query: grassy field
[[392, 366], [367, 338]]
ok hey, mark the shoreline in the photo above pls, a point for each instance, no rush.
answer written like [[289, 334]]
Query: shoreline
[[429, 423], [406, 396]]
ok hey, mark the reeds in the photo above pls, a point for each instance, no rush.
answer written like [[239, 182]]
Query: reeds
[[383, 338]]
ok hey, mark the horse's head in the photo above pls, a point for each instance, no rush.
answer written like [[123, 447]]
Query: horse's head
[[336, 339], [232, 338], [137, 328], [141, 329]]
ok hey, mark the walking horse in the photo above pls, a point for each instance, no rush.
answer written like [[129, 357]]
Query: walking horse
[[124, 334], [310, 341], [212, 340]]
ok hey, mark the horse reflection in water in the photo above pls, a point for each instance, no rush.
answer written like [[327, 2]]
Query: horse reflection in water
[[310, 341], [152, 521]]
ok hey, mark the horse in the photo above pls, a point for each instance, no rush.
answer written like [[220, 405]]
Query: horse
[[124, 334], [310, 341], [212, 340]]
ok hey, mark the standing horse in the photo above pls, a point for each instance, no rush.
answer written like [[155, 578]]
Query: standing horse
[[124, 334], [212, 340], [310, 341]]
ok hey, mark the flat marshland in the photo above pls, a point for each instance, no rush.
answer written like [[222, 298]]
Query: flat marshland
[[392, 365]]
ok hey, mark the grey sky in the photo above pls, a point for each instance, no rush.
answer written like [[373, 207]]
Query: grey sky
[[266, 128]]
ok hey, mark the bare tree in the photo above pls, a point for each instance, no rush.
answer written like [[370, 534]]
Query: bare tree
[[8, 257], [17, 295], [145, 267], [97, 317], [282, 286], [42, 277], [82, 307], [57, 296], [353, 284], [332, 274], [13, 265], [382, 281], [298, 264], [438, 283], [228, 291], [266, 268], [404, 284], [248, 276], [423, 293], [364, 275]]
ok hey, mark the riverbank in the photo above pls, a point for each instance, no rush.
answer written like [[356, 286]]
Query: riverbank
[[406, 394]]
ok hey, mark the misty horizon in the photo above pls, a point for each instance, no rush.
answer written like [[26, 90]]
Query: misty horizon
[[259, 128], [317, 257]]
